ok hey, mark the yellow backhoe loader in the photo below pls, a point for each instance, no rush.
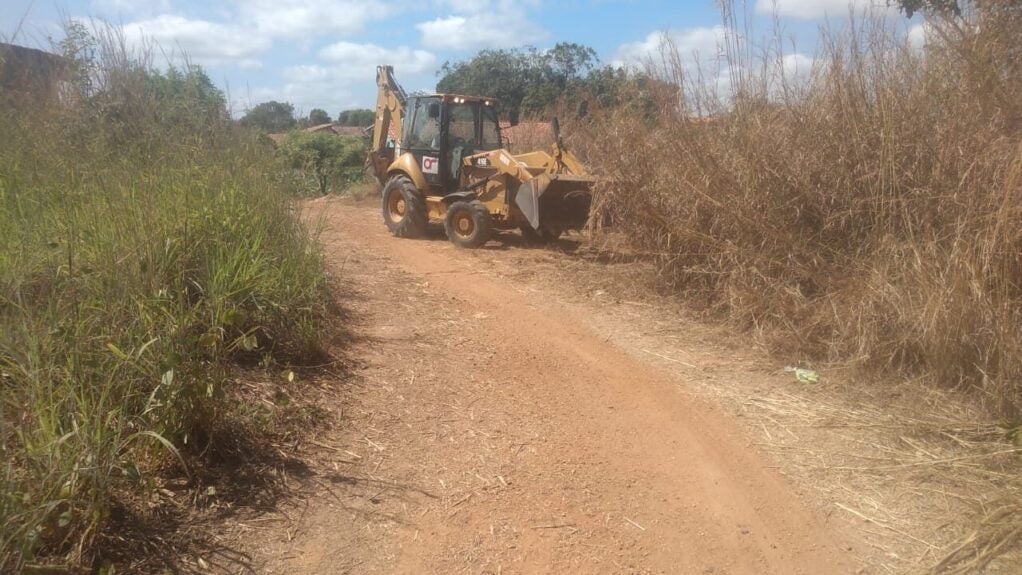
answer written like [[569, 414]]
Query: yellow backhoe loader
[[441, 157]]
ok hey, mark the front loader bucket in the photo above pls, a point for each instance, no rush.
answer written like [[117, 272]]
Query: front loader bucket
[[555, 200]]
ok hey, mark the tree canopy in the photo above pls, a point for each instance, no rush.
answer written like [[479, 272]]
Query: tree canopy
[[187, 96], [179, 99], [529, 82], [910, 7], [272, 116], [360, 117], [318, 116], [326, 158], [524, 80]]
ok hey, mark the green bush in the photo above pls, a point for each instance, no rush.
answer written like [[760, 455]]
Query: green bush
[[324, 158], [147, 243]]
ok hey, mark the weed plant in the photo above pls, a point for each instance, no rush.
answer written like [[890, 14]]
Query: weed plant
[[146, 245]]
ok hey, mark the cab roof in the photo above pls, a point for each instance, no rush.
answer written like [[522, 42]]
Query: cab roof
[[454, 98]]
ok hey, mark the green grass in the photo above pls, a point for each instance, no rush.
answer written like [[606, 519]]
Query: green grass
[[146, 246]]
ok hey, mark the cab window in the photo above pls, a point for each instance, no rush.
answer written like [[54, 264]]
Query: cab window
[[491, 130], [462, 126], [425, 129]]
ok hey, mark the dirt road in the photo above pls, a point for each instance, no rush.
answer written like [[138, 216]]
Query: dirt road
[[492, 429]]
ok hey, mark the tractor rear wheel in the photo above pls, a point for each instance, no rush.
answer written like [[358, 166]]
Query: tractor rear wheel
[[468, 224], [404, 210]]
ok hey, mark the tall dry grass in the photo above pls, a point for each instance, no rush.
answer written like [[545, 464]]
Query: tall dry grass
[[146, 245], [868, 212]]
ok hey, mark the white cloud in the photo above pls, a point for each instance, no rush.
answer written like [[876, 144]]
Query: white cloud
[[708, 74], [813, 9], [133, 7], [797, 65], [360, 60], [250, 64], [790, 74], [202, 41], [481, 24], [349, 63], [345, 66], [306, 73], [304, 18], [245, 33], [695, 45], [919, 35], [699, 52]]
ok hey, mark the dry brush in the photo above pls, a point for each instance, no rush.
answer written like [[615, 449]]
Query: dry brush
[[868, 212]]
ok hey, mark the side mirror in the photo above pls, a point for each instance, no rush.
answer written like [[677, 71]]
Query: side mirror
[[434, 110], [555, 129]]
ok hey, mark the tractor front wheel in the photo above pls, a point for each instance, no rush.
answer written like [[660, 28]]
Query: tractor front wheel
[[404, 210], [468, 224]]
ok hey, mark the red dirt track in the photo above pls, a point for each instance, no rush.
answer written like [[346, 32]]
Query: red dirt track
[[491, 430]]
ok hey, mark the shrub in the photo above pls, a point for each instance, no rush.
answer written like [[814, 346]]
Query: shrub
[[147, 244], [327, 159], [870, 211]]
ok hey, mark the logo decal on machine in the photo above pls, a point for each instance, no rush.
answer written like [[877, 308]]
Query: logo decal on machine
[[430, 165]]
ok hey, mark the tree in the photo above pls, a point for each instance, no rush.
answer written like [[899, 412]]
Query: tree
[[910, 7], [318, 117], [359, 117], [187, 97], [79, 48], [523, 80], [634, 91], [136, 100], [273, 117], [992, 36], [506, 75], [567, 61], [325, 157]]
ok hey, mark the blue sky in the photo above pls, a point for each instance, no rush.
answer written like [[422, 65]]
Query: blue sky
[[323, 53]]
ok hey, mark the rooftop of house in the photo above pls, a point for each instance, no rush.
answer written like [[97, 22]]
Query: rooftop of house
[[330, 127], [12, 53], [338, 129], [525, 133], [30, 71]]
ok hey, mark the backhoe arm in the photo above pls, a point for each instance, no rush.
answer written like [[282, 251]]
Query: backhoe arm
[[390, 107]]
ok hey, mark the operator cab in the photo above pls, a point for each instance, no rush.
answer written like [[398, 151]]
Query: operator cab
[[441, 129]]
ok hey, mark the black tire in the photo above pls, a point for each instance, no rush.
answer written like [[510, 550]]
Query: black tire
[[544, 235], [468, 224], [404, 210]]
